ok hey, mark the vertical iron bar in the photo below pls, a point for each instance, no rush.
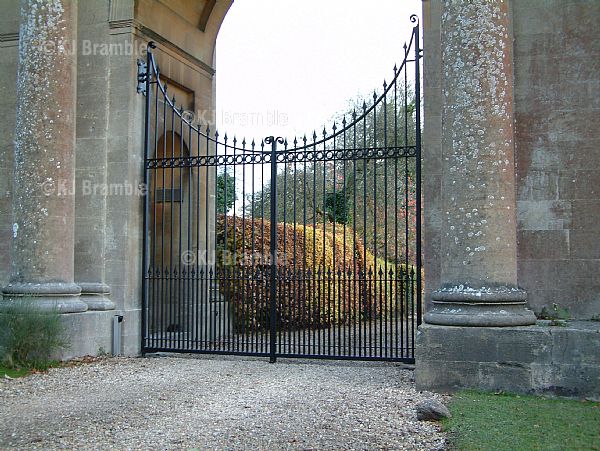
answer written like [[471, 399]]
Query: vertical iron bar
[[347, 292], [396, 257], [262, 234], [207, 312], [330, 321], [356, 301], [237, 294], [336, 298], [181, 280], [385, 219], [306, 292], [285, 276], [198, 299], [401, 276], [376, 287], [255, 299], [173, 278], [406, 210], [319, 289], [163, 290], [316, 339], [147, 198], [326, 271], [273, 288], [225, 287], [367, 307], [300, 306], [151, 192], [247, 303], [418, 171], [291, 281], [189, 300]]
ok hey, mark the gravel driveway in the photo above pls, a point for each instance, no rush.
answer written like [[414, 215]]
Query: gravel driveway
[[215, 403]]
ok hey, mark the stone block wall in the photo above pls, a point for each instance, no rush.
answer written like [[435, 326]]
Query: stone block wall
[[557, 98], [557, 144], [543, 360]]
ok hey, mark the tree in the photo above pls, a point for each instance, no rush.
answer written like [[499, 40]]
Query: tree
[[373, 196], [226, 195]]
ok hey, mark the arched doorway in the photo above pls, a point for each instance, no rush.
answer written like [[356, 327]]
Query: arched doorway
[[168, 185]]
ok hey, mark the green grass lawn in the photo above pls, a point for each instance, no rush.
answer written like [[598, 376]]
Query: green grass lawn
[[11, 372], [21, 371], [484, 421]]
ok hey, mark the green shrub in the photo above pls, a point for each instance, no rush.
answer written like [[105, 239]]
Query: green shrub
[[556, 312], [29, 336], [323, 278]]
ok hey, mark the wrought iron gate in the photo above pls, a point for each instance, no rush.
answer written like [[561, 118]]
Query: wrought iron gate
[[301, 248]]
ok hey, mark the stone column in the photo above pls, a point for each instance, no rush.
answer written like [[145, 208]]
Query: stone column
[[478, 242], [43, 198]]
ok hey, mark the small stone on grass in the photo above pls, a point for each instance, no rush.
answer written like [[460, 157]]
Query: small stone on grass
[[432, 410]]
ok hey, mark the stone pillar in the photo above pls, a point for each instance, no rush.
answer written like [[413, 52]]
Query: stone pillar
[[478, 240], [44, 164]]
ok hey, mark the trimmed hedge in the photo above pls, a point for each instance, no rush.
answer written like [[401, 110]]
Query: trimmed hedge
[[322, 278]]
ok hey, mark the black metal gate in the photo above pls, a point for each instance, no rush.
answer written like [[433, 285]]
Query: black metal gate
[[300, 248]]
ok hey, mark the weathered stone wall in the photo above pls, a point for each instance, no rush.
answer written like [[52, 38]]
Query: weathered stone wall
[[557, 149], [539, 359], [557, 116]]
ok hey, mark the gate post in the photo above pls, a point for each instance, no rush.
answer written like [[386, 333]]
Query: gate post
[[418, 157], [273, 249], [144, 81]]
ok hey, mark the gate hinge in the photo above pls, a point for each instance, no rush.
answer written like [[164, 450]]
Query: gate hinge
[[142, 76]]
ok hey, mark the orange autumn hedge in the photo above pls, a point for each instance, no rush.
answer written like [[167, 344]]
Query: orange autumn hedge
[[322, 278]]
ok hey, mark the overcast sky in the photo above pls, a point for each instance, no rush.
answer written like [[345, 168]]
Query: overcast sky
[[285, 67]]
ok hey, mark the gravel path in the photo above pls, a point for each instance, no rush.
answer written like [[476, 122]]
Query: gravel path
[[216, 403]]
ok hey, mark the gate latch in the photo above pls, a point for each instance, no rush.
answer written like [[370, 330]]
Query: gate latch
[[142, 75]]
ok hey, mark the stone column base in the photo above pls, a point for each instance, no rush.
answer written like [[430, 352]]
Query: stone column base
[[95, 295], [64, 297], [464, 306], [535, 359]]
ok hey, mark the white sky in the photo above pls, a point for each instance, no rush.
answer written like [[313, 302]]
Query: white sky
[[285, 67]]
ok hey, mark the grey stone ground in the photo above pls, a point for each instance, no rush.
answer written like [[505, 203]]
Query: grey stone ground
[[216, 403]]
